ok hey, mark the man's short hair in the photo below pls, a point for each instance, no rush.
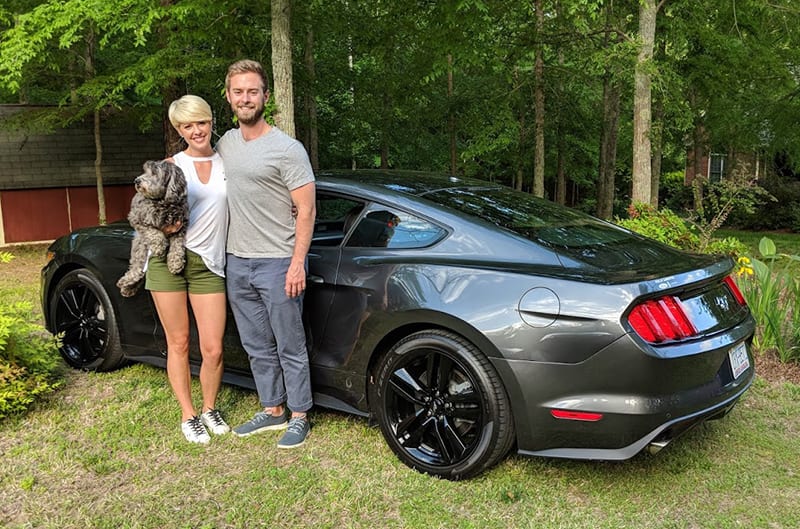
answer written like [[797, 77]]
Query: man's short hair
[[246, 66], [189, 109]]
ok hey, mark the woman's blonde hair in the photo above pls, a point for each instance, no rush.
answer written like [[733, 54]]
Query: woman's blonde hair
[[189, 109]]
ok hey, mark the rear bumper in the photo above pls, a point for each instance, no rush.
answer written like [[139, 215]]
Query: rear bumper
[[640, 399], [655, 439]]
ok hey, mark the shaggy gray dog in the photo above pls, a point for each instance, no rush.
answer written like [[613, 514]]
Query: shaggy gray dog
[[160, 200]]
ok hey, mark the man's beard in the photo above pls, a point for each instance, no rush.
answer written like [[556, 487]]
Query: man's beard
[[249, 115]]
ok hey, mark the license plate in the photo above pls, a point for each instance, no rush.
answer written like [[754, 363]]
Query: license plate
[[739, 360]]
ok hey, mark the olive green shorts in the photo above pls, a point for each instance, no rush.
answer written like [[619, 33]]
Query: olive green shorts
[[196, 278]]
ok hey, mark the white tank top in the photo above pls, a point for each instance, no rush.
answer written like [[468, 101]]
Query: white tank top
[[208, 210]]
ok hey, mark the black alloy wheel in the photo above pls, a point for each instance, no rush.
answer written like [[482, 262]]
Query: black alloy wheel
[[441, 406], [83, 317]]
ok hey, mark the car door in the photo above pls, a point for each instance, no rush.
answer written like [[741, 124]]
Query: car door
[[366, 285], [334, 217]]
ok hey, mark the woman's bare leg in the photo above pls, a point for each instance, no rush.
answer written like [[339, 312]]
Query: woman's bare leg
[[174, 315], [210, 311]]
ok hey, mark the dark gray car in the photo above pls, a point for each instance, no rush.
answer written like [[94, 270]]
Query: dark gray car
[[465, 318]]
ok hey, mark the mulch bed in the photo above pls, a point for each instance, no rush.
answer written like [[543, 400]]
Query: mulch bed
[[769, 367]]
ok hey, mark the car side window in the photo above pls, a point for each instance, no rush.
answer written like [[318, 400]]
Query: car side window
[[389, 229], [334, 218]]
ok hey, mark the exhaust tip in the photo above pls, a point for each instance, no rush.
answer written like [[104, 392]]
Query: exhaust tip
[[656, 446]]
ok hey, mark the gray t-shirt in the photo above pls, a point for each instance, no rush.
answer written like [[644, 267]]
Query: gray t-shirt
[[261, 173]]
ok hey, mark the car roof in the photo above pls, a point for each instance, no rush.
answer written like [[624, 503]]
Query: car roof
[[414, 183]]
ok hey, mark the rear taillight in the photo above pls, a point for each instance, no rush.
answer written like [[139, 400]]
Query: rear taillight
[[734, 288], [661, 320]]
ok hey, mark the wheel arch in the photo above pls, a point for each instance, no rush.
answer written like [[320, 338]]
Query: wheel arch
[[427, 320], [54, 279]]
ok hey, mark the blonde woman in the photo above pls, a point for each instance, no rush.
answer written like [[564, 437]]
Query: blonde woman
[[202, 282]]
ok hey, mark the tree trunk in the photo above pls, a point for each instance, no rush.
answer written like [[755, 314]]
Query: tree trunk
[[386, 122], [698, 182], [642, 111], [561, 176], [312, 142], [98, 169], [606, 174], [658, 152], [522, 137], [451, 117], [98, 144], [172, 140], [538, 151], [606, 181], [282, 65], [561, 145], [351, 76]]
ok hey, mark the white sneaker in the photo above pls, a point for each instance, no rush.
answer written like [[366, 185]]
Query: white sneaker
[[194, 431], [214, 422]]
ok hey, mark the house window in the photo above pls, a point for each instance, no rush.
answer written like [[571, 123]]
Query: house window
[[716, 167]]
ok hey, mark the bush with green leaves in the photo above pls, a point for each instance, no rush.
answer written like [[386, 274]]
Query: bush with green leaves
[[29, 360], [772, 290], [673, 193], [783, 212], [667, 227]]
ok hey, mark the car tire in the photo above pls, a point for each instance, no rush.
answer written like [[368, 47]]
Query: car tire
[[441, 406], [82, 316]]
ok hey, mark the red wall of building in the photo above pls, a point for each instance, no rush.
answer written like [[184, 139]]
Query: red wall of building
[[44, 214]]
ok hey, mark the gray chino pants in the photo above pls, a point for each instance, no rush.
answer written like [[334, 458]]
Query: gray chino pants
[[271, 330]]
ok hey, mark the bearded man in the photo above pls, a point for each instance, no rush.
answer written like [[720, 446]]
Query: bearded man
[[269, 177]]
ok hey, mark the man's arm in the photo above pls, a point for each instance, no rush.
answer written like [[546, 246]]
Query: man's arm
[[304, 199]]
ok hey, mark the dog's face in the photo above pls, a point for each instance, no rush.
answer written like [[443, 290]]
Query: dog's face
[[161, 181]]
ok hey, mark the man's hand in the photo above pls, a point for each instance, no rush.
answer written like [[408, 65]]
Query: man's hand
[[295, 280], [304, 202]]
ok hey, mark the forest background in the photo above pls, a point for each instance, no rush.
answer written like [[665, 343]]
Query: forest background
[[591, 103]]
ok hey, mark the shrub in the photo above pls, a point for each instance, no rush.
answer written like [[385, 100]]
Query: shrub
[[28, 356], [673, 193], [660, 224], [665, 226], [782, 212]]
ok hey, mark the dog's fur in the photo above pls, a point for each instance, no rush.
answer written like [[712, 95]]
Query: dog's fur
[[160, 200]]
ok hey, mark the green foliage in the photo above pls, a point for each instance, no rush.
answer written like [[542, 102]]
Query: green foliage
[[782, 214], [667, 227], [726, 246], [662, 225], [673, 192], [739, 193], [28, 358], [377, 75], [772, 290]]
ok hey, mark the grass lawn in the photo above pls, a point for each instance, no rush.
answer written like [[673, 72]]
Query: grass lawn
[[105, 451], [788, 243]]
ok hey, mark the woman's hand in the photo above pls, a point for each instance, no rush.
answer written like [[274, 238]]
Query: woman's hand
[[172, 228]]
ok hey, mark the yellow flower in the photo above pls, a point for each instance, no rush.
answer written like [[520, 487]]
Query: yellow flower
[[744, 267]]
